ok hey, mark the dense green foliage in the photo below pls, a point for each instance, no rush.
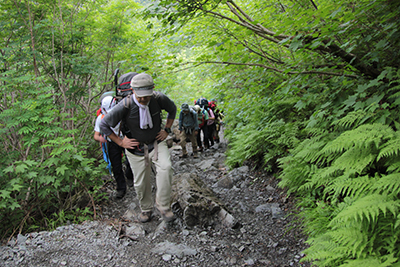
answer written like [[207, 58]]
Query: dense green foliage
[[312, 87], [310, 90], [50, 80]]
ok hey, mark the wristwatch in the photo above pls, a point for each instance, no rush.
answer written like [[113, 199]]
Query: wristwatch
[[168, 130]]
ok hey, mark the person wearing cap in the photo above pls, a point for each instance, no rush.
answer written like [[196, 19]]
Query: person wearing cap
[[188, 128], [113, 151], [145, 143]]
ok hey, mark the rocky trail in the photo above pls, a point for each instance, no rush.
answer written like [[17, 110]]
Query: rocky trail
[[260, 231]]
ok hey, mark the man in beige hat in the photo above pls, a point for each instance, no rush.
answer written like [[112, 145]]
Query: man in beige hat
[[145, 143]]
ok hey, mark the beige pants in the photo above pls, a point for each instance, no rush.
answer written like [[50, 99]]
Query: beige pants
[[193, 139], [142, 178]]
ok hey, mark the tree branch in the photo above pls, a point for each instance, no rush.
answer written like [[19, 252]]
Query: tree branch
[[274, 69], [329, 47]]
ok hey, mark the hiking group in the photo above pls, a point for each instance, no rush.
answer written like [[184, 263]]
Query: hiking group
[[130, 123], [201, 120]]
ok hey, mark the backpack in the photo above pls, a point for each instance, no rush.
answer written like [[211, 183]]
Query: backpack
[[122, 90], [202, 119], [203, 102], [123, 84]]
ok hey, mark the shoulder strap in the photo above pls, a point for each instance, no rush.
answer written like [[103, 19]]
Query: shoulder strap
[[127, 101]]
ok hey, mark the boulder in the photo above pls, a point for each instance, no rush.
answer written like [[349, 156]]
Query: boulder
[[197, 203]]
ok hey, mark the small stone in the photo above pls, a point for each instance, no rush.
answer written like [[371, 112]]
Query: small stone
[[249, 262], [185, 232], [166, 257]]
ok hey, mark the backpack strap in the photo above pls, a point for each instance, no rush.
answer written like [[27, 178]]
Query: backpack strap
[[127, 105], [127, 102]]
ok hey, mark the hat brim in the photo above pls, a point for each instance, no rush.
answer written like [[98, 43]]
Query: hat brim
[[143, 93]]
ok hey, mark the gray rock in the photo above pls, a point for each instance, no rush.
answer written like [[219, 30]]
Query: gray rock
[[179, 250], [225, 182], [205, 164], [166, 257], [264, 208], [135, 230], [276, 211]]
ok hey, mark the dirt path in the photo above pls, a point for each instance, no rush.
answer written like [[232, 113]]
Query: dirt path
[[264, 236]]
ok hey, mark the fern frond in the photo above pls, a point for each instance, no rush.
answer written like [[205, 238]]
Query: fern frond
[[326, 251], [347, 185], [355, 159], [317, 133], [392, 147], [389, 184], [394, 167], [352, 118], [365, 136], [311, 151], [385, 261], [368, 209]]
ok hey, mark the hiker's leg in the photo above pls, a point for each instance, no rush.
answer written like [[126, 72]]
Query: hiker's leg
[[128, 171], [163, 177], [114, 152], [142, 181], [193, 141], [205, 136], [198, 139], [210, 133], [183, 142]]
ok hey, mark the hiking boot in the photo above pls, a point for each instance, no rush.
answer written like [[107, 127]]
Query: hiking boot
[[129, 182], [195, 155], [145, 216], [167, 215], [200, 149], [120, 194]]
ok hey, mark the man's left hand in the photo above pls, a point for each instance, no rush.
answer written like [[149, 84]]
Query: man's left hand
[[162, 135]]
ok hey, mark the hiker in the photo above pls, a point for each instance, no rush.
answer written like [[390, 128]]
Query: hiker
[[113, 152], [218, 119], [210, 124], [188, 128], [202, 117], [145, 143]]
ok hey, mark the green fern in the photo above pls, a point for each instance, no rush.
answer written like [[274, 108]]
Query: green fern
[[352, 119], [348, 185], [391, 148], [388, 184], [394, 167], [355, 159], [364, 137], [367, 208], [388, 261]]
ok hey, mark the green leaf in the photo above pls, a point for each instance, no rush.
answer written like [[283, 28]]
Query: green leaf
[[61, 170]]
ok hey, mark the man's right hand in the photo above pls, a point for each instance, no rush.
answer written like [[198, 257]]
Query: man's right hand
[[129, 143]]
